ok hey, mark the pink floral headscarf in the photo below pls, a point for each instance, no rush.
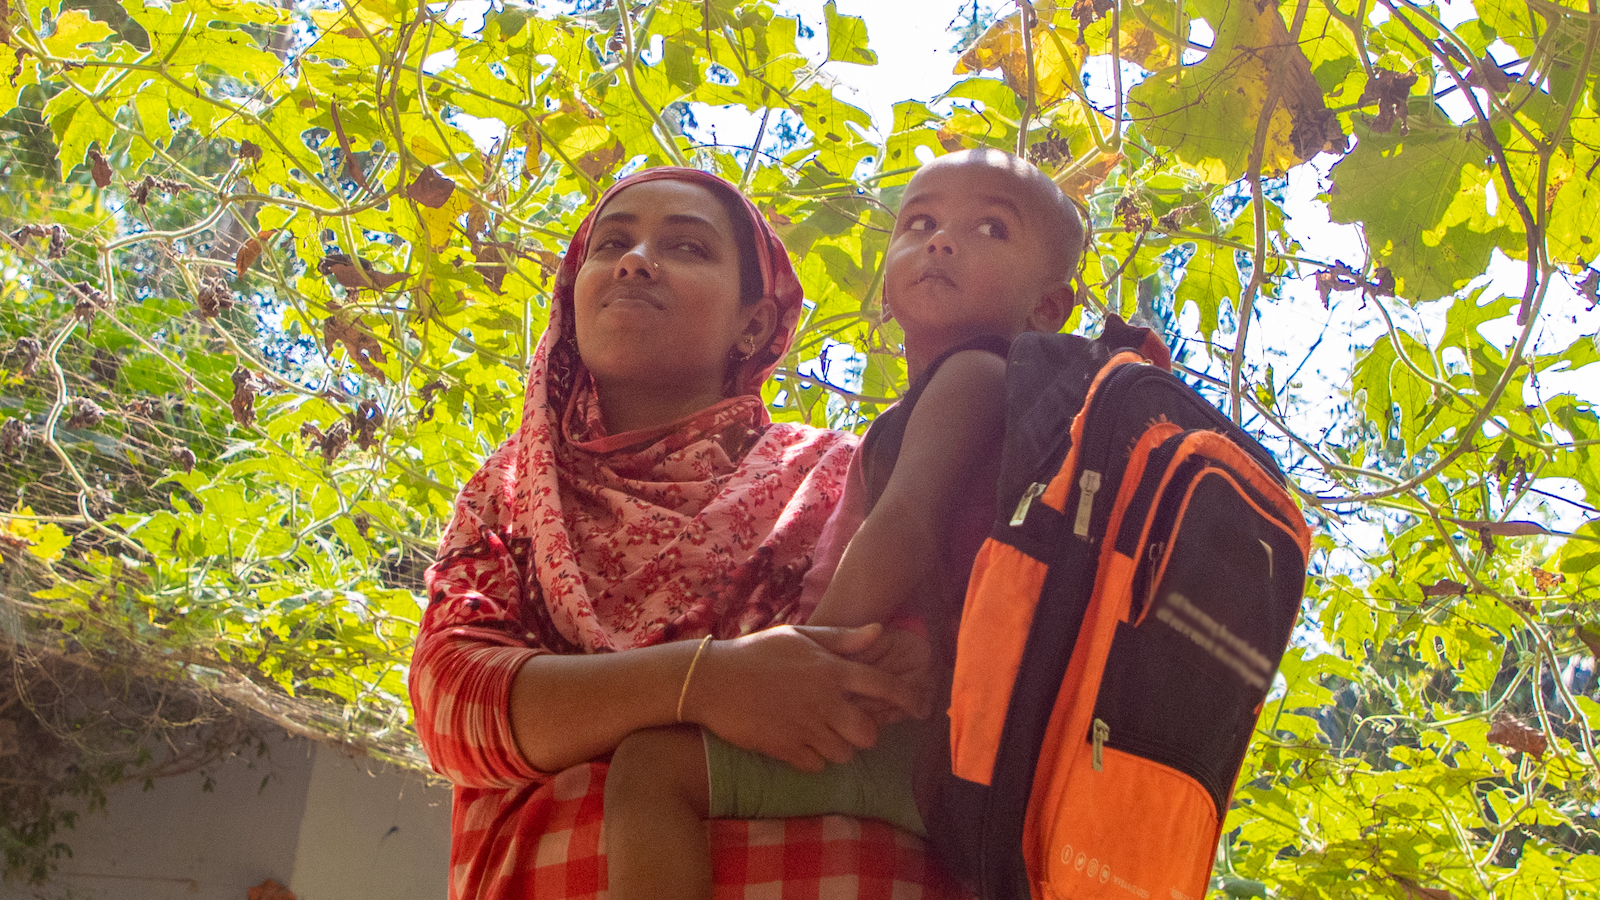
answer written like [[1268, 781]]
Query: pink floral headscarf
[[572, 540]]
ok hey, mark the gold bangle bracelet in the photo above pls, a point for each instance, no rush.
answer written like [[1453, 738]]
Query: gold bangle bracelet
[[683, 694]]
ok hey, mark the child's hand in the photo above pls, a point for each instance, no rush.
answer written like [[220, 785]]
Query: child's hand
[[908, 657]]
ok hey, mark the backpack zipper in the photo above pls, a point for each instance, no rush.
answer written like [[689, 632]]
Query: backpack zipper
[[1033, 492], [1088, 484], [1100, 732]]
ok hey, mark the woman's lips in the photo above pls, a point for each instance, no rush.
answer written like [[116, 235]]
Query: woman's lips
[[633, 301]]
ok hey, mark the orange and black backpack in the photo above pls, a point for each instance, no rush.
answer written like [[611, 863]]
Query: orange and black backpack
[[1121, 630]]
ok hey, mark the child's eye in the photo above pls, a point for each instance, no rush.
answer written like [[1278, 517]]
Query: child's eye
[[920, 223], [992, 229]]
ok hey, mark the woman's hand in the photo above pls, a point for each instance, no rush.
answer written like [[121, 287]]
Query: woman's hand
[[907, 656], [794, 693]]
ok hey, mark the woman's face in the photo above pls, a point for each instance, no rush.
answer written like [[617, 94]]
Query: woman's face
[[656, 301]]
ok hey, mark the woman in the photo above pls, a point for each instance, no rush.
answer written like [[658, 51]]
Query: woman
[[647, 500]]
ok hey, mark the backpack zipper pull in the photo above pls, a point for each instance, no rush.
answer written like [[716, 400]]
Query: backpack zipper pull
[[1088, 485], [1100, 732], [1033, 492]]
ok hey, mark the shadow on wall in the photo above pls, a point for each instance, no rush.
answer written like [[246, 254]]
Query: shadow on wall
[[325, 826]]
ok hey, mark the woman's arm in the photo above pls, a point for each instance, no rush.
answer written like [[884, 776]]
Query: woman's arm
[[786, 692], [953, 437]]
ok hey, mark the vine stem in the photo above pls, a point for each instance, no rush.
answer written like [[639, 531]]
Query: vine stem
[[1030, 102], [1258, 209], [1116, 72], [630, 55], [56, 408], [1258, 269], [25, 517], [755, 146]]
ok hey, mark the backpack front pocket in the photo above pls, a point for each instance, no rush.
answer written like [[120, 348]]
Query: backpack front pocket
[[1096, 850]]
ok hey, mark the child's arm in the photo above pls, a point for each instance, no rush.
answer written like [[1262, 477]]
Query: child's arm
[[952, 439]]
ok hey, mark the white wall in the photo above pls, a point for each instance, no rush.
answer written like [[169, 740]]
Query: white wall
[[329, 827]]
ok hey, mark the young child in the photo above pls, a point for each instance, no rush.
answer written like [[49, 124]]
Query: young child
[[984, 248]]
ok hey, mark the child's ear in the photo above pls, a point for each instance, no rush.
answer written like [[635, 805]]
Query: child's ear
[[1053, 308]]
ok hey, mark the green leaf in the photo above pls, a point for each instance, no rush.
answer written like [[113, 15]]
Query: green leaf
[[847, 37], [1210, 278], [1399, 187], [73, 29]]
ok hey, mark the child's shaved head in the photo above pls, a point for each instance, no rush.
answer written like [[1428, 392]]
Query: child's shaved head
[[1058, 219], [984, 244]]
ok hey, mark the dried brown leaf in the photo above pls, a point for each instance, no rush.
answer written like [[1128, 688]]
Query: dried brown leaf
[[363, 348], [243, 403], [14, 435], [99, 169], [85, 414], [344, 271], [365, 421], [1444, 587], [214, 297], [332, 442], [549, 263], [1391, 91], [250, 251], [431, 189], [1133, 213], [1590, 287], [56, 234], [351, 165], [183, 458], [1382, 282], [1546, 582], [1088, 12], [598, 162], [1508, 732], [29, 349], [533, 144], [477, 219], [141, 191], [491, 256], [87, 300]]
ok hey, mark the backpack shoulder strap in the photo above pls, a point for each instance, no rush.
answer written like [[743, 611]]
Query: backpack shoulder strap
[[1047, 378]]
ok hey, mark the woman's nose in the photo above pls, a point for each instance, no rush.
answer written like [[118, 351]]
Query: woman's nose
[[635, 264]]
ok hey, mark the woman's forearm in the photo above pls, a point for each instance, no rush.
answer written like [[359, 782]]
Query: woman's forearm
[[570, 709], [790, 693]]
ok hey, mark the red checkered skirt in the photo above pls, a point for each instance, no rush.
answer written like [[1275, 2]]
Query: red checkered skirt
[[545, 842]]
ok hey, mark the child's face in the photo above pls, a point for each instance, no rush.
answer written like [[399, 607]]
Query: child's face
[[969, 255]]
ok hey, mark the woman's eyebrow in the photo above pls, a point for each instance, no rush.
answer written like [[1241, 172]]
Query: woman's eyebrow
[[628, 218]]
